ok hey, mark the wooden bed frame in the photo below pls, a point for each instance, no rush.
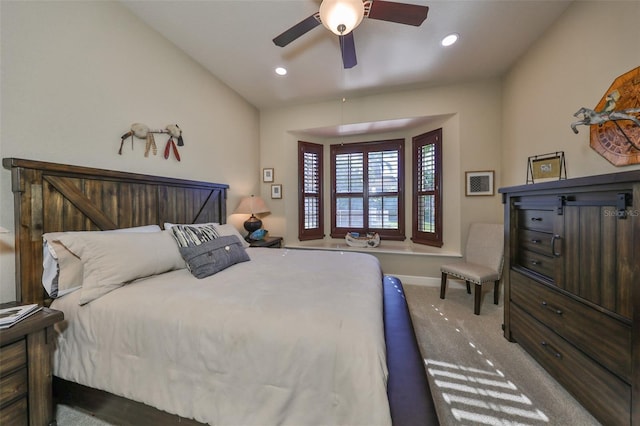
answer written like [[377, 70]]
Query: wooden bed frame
[[52, 197]]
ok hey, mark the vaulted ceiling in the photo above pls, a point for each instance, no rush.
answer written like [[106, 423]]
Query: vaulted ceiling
[[233, 39]]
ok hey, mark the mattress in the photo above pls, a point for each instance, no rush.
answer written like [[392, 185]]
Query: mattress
[[292, 337]]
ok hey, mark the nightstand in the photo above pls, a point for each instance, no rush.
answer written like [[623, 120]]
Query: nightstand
[[25, 370], [271, 242]]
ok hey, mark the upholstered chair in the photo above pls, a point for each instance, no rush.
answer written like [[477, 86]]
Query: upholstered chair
[[482, 262]]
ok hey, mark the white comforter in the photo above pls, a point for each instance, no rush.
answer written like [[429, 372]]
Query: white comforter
[[292, 337]]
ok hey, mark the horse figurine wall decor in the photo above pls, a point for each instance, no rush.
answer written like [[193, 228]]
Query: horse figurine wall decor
[[608, 113], [591, 117]]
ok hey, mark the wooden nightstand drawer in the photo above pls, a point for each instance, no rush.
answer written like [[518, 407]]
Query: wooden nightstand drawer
[[15, 414], [25, 366], [12, 357], [13, 386]]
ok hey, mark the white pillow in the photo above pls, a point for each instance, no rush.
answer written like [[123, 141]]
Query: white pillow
[[168, 225], [110, 260], [62, 271], [228, 229]]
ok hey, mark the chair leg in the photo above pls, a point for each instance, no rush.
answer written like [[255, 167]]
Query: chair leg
[[496, 292], [468, 287], [443, 285], [478, 299]]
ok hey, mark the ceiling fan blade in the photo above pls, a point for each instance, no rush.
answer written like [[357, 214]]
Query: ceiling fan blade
[[348, 49], [297, 30], [401, 13]]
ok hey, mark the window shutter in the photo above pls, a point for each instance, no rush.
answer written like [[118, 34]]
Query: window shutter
[[367, 194], [427, 166], [310, 223]]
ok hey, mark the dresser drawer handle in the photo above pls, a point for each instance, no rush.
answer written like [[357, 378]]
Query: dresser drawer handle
[[551, 308], [554, 239], [536, 262], [550, 349], [534, 241], [536, 219]]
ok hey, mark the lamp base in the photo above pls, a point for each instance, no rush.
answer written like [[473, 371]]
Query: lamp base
[[252, 224]]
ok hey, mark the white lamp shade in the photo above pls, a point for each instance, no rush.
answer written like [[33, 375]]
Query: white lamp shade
[[335, 13], [251, 205]]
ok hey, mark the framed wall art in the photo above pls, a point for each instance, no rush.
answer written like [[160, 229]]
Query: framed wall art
[[267, 175], [276, 190], [479, 182]]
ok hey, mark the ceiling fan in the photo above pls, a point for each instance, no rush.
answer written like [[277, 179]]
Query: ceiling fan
[[342, 16]]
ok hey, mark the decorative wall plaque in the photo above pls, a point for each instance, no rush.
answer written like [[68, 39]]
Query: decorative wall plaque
[[619, 140]]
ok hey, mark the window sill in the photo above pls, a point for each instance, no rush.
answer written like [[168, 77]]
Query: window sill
[[385, 247]]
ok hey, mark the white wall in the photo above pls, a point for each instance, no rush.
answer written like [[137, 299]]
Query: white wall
[[571, 66], [494, 126], [76, 75], [471, 140]]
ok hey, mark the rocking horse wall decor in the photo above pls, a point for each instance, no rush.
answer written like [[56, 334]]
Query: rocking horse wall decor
[[615, 121]]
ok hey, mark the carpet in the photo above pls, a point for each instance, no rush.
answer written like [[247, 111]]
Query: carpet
[[476, 376]]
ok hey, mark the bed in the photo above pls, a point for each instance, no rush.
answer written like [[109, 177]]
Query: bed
[[279, 339]]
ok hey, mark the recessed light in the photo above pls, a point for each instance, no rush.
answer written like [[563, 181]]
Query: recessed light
[[281, 71], [450, 39]]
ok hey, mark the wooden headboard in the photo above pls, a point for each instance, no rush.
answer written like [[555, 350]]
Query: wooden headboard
[[52, 197]]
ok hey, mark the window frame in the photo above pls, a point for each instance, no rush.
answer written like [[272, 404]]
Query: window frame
[[318, 232], [435, 239], [366, 148]]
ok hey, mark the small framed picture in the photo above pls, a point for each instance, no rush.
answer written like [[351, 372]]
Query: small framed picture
[[546, 166], [276, 190], [267, 175], [479, 183]]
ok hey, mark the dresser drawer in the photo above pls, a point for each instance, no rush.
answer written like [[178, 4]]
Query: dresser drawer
[[13, 386], [606, 396], [15, 414], [539, 242], [544, 265], [602, 337], [13, 356], [537, 220]]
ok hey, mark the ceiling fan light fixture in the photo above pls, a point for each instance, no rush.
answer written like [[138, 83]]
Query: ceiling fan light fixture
[[450, 39], [341, 16]]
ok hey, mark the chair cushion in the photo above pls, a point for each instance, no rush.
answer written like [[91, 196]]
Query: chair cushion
[[471, 272]]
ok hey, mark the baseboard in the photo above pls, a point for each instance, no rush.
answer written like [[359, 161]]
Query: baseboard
[[416, 280], [428, 281]]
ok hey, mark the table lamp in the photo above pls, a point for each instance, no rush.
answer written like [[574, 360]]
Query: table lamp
[[252, 205]]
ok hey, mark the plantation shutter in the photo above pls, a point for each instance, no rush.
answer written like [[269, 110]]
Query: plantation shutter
[[427, 223], [367, 194], [349, 184], [311, 223]]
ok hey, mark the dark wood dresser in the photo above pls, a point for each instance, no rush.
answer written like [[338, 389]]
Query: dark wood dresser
[[25, 370], [572, 286]]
